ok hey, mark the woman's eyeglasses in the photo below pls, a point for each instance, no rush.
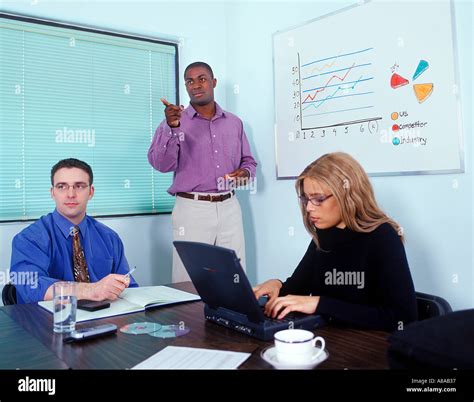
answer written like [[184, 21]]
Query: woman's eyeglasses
[[316, 201]]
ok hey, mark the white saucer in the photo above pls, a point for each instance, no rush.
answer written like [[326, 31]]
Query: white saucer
[[269, 355]]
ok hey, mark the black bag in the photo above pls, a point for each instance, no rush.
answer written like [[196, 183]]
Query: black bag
[[442, 342]]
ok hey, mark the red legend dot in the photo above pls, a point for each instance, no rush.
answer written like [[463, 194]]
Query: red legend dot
[[395, 127]]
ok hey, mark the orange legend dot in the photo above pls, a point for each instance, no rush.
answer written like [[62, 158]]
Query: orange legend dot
[[395, 127], [394, 116]]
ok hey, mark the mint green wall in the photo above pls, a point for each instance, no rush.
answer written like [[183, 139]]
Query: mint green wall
[[235, 38]]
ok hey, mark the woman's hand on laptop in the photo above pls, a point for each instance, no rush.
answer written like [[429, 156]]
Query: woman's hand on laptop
[[281, 306], [270, 288]]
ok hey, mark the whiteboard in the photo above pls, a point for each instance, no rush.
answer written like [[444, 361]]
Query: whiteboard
[[375, 80]]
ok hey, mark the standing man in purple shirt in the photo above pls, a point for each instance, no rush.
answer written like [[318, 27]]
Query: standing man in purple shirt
[[208, 151]]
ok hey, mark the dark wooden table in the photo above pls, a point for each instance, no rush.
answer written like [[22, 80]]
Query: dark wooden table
[[27, 341]]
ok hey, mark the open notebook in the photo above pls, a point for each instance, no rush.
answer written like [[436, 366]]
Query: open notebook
[[133, 300]]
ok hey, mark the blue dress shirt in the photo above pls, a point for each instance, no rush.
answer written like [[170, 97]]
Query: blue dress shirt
[[42, 254]]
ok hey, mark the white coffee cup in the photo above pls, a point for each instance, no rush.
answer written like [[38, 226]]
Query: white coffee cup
[[297, 346]]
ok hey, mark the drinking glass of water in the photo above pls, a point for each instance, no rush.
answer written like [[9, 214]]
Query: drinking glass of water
[[65, 305]]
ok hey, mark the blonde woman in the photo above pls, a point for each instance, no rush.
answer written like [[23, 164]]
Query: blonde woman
[[355, 270]]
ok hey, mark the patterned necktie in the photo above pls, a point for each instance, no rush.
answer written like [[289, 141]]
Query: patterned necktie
[[81, 274]]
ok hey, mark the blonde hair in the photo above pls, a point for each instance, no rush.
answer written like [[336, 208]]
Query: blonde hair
[[350, 186]]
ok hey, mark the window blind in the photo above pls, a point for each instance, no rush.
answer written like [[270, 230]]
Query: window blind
[[71, 92]]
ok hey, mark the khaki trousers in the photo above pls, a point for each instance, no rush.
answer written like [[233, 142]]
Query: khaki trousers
[[217, 223]]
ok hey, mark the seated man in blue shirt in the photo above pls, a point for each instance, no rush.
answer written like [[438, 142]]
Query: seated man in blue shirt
[[69, 245]]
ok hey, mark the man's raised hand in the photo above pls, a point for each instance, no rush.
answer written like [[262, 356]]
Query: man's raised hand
[[172, 113]]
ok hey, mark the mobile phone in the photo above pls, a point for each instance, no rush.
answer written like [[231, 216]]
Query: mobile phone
[[91, 332], [91, 305]]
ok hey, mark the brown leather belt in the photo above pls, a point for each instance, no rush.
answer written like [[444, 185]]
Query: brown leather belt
[[210, 198]]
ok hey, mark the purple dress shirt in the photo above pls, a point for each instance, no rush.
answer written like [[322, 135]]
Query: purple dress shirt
[[201, 152]]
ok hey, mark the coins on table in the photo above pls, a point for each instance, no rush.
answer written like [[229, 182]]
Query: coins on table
[[138, 328], [170, 331]]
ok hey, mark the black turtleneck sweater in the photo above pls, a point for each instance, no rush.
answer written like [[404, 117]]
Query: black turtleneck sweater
[[363, 279]]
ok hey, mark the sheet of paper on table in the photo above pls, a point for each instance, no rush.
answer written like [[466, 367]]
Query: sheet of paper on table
[[178, 357]]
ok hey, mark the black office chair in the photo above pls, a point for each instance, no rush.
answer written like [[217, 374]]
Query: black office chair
[[431, 306], [9, 295]]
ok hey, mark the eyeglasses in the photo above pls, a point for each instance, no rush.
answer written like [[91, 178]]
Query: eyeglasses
[[316, 201], [77, 187]]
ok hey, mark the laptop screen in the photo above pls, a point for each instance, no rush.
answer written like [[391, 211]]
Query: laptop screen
[[219, 278]]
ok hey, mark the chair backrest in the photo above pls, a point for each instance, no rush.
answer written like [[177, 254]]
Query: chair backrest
[[9, 294], [431, 306]]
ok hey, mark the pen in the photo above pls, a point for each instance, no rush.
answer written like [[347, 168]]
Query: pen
[[130, 272]]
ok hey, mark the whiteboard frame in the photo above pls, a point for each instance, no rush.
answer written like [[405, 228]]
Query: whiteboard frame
[[456, 83]]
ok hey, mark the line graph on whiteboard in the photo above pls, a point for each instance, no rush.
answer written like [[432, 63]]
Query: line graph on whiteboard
[[336, 90]]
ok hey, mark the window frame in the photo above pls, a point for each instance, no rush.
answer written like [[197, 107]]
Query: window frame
[[95, 30]]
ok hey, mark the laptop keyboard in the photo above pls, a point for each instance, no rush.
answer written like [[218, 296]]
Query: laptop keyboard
[[288, 318]]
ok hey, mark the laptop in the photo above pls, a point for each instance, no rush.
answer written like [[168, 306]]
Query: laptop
[[229, 300]]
